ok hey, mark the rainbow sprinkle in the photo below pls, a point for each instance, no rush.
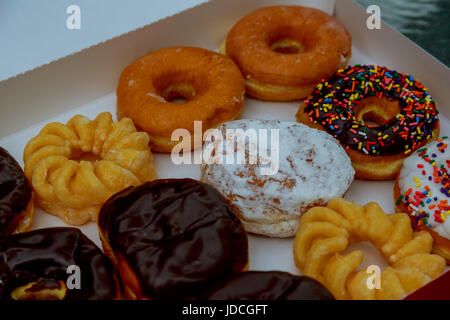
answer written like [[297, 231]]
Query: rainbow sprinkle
[[421, 204], [333, 103]]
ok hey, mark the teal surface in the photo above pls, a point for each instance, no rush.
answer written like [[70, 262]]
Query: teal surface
[[426, 22]]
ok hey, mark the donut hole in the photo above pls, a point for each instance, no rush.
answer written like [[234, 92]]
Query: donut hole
[[178, 87], [287, 46], [287, 41], [372, 256], [179, 93], [374, 112], [84, 156], [372, 119], [29, 292]]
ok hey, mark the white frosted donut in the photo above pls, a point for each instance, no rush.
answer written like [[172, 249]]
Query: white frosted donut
[[313, 168], [423, 187]]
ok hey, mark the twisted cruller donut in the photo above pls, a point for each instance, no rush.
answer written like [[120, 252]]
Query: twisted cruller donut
[[75, 190], [325, 232]]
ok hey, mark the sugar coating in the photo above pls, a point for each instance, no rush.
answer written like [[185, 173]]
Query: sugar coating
[[157, 97], [313, 168], [411, 176]]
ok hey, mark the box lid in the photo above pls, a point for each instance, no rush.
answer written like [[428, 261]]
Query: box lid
[[35, 33]]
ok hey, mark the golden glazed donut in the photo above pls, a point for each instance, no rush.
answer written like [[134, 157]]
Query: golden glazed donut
[[284, 51], [75, 190], [211, 84], [325, 232]]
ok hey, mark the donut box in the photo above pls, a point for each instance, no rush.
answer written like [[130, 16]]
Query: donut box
[[85, 82]]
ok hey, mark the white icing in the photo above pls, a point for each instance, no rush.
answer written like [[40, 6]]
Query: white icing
[[410, 171], [313, 168]]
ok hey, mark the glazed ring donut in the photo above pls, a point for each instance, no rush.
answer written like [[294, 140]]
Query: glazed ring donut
[[211, 84], [35, 266], [171, 238], [404, 113], [422, 189], [16, 197], [284, 51], [75, 189], [325, 232]]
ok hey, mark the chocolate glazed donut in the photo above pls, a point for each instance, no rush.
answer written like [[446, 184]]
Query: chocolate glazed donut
[[16, 203], [271, 285], [172, 238], [406, 130], [403, 113], [34, 265]]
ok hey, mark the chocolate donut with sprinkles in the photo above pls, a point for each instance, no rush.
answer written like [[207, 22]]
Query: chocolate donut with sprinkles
[[422, 189], [380, 116]]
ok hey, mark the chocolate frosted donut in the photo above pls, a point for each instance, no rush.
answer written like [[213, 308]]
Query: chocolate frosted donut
[[404, 113], [171, 238], [338, 97], [273, 285], [34, 265], [16, 205]]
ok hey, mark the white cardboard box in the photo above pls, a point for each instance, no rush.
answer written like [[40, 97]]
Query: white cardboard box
[[85, 82], [34, 33]]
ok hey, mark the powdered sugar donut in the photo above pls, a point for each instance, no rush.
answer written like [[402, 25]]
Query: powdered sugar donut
[[423, 188], [312, 168]]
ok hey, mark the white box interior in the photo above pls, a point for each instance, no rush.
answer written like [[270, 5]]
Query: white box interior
[[85, 83]]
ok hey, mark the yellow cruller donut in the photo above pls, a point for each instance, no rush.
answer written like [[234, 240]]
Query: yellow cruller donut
[[74, 188], [325, 232]]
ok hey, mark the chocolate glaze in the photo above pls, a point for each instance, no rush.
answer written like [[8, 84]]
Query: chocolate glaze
[[44, 256], [272, 285], [331, 105], [15, 193], [178, 235]]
